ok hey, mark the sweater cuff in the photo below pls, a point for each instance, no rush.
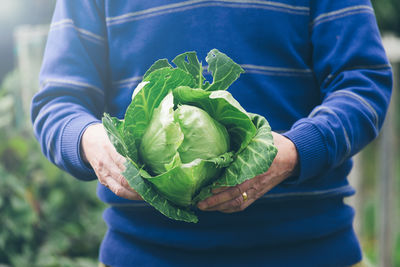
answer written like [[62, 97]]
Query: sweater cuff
[[70, 147], [311, 149]]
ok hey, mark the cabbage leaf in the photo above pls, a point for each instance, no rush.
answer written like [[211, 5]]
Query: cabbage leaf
[[182, 136]]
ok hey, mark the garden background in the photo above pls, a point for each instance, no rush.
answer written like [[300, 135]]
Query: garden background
[[48, 218]]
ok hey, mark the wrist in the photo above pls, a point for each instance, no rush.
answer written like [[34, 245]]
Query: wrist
[[86, 141], [294, 166], [287, 156]]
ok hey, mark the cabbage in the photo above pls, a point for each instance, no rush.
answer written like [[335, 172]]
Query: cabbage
[[183, 136]]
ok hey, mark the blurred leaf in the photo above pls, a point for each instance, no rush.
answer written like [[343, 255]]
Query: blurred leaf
[[387, 13], [48, 218]]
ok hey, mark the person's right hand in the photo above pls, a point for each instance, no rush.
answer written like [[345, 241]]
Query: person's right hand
[[108, 164]]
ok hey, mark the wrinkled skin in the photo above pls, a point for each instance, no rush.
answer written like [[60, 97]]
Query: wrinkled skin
[[108, 164], [230, 199]]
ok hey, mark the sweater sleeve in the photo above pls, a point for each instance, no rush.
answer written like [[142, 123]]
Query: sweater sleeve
[[73, 79], [355, 81]]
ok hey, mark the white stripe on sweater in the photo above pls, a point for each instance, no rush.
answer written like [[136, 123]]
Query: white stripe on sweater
[[361, 100], [341, 13], [324, 109], [187, 5], [70, 23], [73, 83]]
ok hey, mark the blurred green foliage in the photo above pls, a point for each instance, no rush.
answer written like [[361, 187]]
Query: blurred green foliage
[[47, 217], [387, 13], [370, 159], [370, 213]]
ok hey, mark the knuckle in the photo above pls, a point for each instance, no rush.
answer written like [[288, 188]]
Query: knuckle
[[258, 184], [121, 179], [262, 182], [100, 168], [237, 202], [125, 184], [236, 191], [239, 190], [118, 191], [100, 164]]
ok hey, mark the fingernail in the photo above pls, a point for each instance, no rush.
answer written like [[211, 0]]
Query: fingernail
[[202, 205]]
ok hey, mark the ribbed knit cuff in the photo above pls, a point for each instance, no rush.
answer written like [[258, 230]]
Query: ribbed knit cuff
[[313, 156], [70, 147]]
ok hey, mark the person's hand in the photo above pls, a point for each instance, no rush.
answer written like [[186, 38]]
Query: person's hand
[[108, 164], [237, 198]]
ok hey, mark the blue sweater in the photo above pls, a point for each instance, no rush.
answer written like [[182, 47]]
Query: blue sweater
[[315, 69]]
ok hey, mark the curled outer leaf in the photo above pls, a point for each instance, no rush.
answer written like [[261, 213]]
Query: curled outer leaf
[[190, 63], [135, 179], [254, 160], [181, 184], [115, 130], [223, 70]]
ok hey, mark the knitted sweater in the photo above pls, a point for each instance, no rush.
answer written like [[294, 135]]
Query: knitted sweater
[[316, 69]]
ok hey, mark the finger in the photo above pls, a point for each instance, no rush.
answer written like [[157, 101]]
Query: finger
[[215, 200], [219, 189], [118, 159], [121, 191], [110, 168], [237, 204], [233, 204], [106, 168], [240, 203], [237, 208], [115, 173]]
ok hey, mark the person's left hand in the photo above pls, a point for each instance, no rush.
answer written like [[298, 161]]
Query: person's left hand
[[237, 198]]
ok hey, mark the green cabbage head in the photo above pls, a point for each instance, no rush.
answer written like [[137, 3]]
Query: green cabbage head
[[183, 136]]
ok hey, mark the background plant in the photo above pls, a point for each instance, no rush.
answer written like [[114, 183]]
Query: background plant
[[47, 217]]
